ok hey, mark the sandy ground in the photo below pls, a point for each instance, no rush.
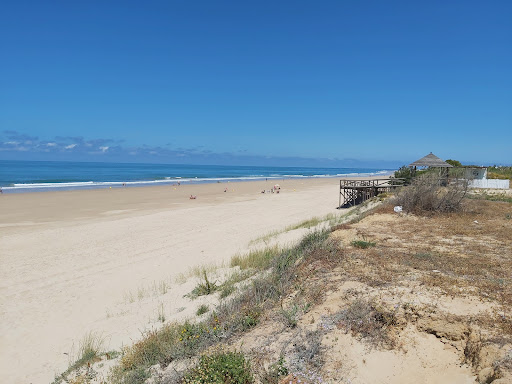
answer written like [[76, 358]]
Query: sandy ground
[[80, 261]]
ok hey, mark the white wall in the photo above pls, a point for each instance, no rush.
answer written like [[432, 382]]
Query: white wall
[[490, 183]]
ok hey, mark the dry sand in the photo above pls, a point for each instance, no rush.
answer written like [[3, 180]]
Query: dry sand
[[79, 261]]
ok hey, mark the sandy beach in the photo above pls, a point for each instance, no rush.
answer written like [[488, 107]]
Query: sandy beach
[[75, 262]]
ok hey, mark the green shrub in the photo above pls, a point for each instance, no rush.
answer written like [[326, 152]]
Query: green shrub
[[275, 372], [454, 163], [363, 244], [221, 367], [290, 316], [202, 309], [404, 172], [280, 368], [205, 286], [226, 291]]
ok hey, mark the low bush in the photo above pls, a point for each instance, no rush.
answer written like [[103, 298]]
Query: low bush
[[363, 244], [172, 342], [369, 321], [221, 367], [202, 310], [290, 316], [226, 291], [427, 194], [205, 286], [274, 373]]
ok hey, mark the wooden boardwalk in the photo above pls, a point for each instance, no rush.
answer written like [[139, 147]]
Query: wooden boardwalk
[[357, 191]]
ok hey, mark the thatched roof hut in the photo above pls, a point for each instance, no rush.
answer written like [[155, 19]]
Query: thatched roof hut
[[430, 160]]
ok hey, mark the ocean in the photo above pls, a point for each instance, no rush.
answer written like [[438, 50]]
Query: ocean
[[36, 176]]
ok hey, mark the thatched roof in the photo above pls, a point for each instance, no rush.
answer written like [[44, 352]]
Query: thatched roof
[[430, 160]]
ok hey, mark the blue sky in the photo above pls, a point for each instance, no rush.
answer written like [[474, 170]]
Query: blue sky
[[256, 82]]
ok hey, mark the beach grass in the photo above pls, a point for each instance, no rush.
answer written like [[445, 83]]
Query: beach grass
[[156, 289], [161, 313], [197, 271], [202, 310], [90, 349], [315, 222], [231, 317], [258, 259]]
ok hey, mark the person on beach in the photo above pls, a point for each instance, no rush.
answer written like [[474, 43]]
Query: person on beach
[[193, 197]]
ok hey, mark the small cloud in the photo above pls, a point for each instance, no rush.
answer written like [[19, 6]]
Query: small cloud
[[70, 146], [104, 149], [14, 135], [51, 144]]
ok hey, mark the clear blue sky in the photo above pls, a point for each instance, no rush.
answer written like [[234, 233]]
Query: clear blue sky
[[262, 81]]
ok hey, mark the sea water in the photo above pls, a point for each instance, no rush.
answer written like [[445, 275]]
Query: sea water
[[32, 176]]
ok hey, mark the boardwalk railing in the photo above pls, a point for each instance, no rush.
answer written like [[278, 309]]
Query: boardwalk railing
[[357, 191]]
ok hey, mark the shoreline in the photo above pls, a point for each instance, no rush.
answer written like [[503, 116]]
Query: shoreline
[[92, 185], [70, 258], [32, 208]]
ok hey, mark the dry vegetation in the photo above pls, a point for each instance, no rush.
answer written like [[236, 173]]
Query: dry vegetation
[[498, 172], [386, 298]]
